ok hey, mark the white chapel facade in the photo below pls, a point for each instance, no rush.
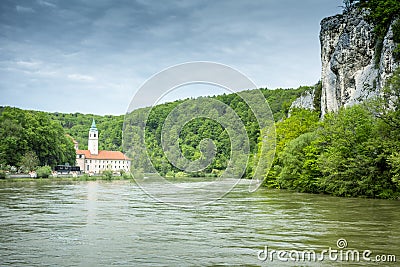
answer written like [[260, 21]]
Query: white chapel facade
[[95, 161]]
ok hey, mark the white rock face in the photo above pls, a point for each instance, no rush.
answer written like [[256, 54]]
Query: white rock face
[[306, 100], [349, 73]]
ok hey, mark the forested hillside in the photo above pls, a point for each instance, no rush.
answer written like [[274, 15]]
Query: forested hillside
[[110, 127], [202, 128], [77, 125], [24, 131]]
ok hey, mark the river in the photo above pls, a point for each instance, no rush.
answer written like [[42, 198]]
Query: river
[[100, 223]]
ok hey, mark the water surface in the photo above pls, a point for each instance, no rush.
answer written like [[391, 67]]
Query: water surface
[[101, 223]]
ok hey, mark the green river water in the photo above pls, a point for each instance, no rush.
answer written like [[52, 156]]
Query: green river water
[[100, 223]]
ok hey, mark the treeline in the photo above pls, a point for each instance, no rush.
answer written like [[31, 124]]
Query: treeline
[[32, 138], [354, 152]]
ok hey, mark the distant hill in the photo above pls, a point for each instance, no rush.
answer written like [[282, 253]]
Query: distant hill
[[110, 127], [77, 125]]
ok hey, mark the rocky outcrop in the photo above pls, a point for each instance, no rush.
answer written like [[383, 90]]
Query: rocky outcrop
[[306, 101], [350, 73]]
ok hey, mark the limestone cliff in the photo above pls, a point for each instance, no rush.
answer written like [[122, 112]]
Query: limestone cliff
[[350, 72], [306, 101]]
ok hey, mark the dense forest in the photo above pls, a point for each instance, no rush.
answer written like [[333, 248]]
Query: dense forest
[[32, 138], [43, 138], [201, 128]]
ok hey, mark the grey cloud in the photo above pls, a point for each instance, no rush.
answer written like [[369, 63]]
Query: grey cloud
[[23, 9], [78, 47]]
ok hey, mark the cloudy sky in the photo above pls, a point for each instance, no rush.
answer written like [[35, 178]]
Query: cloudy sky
[[90, 56]]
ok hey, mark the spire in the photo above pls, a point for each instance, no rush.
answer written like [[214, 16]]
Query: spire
[[93, 141], [93, 125]]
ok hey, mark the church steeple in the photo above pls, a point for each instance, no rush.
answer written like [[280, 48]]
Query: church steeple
[[93, 141], [93, 125]]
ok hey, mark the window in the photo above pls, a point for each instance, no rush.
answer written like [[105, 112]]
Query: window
[[94, 135], [87, 167]]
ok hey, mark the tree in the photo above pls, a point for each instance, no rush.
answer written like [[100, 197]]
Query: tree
[[29, 161], [43, 172], [349, 4], [300, 122], [13, 140], [394, 162], [300, 170]]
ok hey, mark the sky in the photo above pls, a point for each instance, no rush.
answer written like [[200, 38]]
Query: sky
[[91, 56]]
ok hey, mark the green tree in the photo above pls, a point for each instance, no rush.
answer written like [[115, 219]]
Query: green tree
[[300, 170], [29, 161], [394, 162], [107, 174], [300, 122], [382, 13]]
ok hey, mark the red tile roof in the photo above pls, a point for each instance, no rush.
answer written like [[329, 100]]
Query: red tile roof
[[103, 155]]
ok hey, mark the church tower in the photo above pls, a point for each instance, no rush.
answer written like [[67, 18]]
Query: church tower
[[93, 142]]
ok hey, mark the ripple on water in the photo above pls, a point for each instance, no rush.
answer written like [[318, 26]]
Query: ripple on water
[[115, 223]]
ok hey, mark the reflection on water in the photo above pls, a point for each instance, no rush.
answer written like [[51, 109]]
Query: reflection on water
[[115, 223]]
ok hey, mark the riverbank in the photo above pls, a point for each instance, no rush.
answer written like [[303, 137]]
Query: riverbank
[[84, 177]]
